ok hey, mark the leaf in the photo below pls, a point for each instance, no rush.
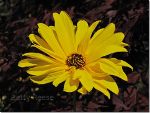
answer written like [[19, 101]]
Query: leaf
[[119, 105]]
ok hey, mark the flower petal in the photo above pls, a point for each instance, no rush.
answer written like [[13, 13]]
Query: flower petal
[[39, 56], [95, 71], [102, 36], [111, 68], [124, 44], [112, 49], [52, 27], [104, 52], [71, 85], [31, 62], [109, 83], [66, 18], [82, 90], [41, 70], [97, 34], [44, 79], [121, 63], [92, 28], [36, 39], [115, 39], [48, 35], [84, 43], [50, 53], [118, 37], [60, 79], [65, 31], [82, 28], [101, 89], [85, 79]]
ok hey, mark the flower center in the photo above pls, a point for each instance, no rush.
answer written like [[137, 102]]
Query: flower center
[[76, 60]]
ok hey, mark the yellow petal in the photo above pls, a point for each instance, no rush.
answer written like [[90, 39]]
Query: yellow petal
[[115, 39], [76, 74], [121, 63], [111, 68], [82, 90], [124, 44], [50, 53], [118, 37], [109, 83], [39, 56], [60, 79], [30, 62], [67, 20], [48, 35], [85, 79], [107, 32], [41, 70], [36, 39], [112, 49], [97, 34], [104, 52], [65, 32], [44, 79], [84, 43], [71, 85], [104, 47], [82, 27], [52, 27], [95, 71], [101, 89], [102, 37], [92, 27]]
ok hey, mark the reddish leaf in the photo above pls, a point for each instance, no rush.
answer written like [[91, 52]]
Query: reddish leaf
[[143, 103], [92, 106], [119, 105], [133, 77], [130, 97]]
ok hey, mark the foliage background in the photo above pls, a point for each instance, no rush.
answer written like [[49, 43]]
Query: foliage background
[[19, 18]]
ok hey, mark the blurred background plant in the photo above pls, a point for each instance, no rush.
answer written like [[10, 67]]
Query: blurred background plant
[[19, 18]]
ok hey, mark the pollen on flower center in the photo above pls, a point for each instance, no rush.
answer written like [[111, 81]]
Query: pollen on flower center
[[76, 60]]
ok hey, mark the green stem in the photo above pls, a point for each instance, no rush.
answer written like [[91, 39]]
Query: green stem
[[74, 101]]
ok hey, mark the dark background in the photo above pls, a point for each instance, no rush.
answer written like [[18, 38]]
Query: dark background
[[19, 18]]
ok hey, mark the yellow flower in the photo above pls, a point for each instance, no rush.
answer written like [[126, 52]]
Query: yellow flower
[[71, 54]]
